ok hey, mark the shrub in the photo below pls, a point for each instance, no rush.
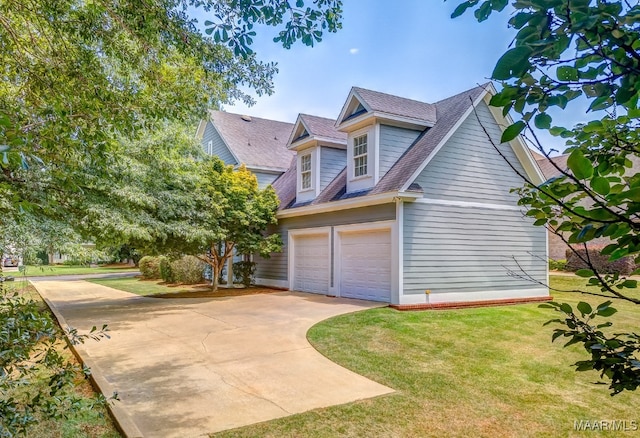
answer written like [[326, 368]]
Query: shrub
[[244, 272], [187, 270], [557, 265], [150, 267], [601, 263], [166, 271]]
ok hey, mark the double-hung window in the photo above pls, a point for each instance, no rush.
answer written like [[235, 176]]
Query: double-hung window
[[210, 147], [360, 155], [305, 172]]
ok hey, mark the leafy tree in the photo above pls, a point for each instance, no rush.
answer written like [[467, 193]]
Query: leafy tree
[[79, 81], [236, 216], [587, 49]]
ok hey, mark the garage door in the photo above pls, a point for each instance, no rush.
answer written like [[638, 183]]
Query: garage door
[[365, 265], [311, 263]]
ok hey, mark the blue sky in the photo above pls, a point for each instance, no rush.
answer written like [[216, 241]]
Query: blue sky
[[409, 48]]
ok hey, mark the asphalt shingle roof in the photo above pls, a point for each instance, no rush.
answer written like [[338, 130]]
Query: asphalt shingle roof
[[399, 106], [449, 111], [547, 165], [256, 142], [323, 127]]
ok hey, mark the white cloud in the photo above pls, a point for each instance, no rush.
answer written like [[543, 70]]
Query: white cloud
[[354, 51]]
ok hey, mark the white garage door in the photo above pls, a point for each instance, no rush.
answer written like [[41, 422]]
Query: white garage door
[[365, 265], [311, 263]]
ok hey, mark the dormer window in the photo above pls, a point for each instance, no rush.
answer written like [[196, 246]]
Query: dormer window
[[360, 156], [305, 172]]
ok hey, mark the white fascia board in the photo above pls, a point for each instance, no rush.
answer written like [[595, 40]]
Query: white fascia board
[[295, 128], [274, 170], [328, 141], [201, 127], [403, 121], [519, 146], [350, 97], [362, 120], [444, 140], [363, 201], [304, 143]]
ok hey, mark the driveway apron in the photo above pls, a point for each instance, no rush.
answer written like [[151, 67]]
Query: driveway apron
[[189, 367]]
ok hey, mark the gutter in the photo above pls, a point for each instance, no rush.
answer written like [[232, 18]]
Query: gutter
[[345, 204]]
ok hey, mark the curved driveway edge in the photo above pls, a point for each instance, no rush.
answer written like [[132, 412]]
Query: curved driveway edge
[[190, 367]]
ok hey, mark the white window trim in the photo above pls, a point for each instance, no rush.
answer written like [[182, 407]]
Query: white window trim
[[367, 154], [310, 172], [210, 147]]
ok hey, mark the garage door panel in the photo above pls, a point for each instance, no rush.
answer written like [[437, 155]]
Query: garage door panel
[[365, 265], [311, 263]]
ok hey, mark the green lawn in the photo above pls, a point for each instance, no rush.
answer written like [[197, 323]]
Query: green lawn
[[54, 270], [489, 372], [140, 287]]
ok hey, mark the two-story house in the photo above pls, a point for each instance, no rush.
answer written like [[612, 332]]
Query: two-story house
[[408, 203]]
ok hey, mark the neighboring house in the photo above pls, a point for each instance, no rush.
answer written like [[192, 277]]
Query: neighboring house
[[408, 203], [259, 144], [552, 167]]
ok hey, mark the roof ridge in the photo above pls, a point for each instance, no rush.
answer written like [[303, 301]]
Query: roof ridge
[[252, 117], [483, 86], [392, 95]]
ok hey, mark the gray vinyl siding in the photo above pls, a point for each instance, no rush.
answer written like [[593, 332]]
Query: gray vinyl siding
[[264, 179], [332, 161], [276, 267], [468, 168], [460, 249], [393, 143], [219, 148]]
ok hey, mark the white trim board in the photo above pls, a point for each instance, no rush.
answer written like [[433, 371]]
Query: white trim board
[[281, 284], [467, 204], [457, 297]]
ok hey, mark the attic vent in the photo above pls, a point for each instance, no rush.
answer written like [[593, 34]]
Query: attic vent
[[246, 118]]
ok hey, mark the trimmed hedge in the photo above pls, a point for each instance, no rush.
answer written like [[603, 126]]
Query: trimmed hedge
[[166, 271], [150, 267], [188, 270], [601, 263], [557, 265]]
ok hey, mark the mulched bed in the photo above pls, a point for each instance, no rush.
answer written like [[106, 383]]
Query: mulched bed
[[206, 292]]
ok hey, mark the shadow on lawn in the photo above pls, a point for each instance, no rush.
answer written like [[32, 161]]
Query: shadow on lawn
[[207, 292]]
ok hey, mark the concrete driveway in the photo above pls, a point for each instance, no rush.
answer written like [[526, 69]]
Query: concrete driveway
[[188, 367]]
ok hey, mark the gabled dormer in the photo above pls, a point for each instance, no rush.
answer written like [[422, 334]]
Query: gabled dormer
[[320, 154], [379, 127]]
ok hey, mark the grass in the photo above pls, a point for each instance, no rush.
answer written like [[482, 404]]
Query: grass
[[92, 421], [158, 289], [140, 287], [489, 372], [55, 270]]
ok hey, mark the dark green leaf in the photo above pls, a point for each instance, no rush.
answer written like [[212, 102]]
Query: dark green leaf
[[580, 166], [512, 131], [600, 185], [584, 273], [512, 64], [584, 308]]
